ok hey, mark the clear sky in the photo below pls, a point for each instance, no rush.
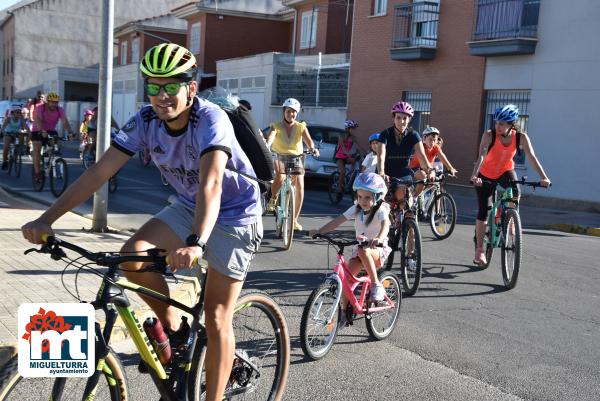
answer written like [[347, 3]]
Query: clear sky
[[7, 3]]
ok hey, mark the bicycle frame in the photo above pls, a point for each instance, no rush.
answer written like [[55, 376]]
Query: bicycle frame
[[498, 208], [282, 194], [348, 283]]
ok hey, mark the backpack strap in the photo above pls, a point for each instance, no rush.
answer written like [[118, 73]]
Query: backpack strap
[[494, 140]]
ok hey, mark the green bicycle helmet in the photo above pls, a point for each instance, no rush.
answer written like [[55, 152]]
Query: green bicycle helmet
[[168, 60]]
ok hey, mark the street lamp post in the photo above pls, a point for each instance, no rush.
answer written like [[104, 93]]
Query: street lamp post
[[100, 209]]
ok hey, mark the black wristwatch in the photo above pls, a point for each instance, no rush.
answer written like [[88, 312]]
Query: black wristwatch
[[194, 240]]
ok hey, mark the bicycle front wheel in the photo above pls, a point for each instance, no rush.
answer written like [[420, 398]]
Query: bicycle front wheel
[[18, 163], [288, 220], [442, 215], [511, 248], [262, 356], [411, 256], [317, 333], [381, 324], [113, 184], [112, 385], [335, 195], [59, 177]]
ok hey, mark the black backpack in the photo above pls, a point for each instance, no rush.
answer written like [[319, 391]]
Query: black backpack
[[253, 144]]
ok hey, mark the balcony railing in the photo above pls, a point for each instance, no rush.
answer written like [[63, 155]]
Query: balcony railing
[[415, 30], [505, 27]]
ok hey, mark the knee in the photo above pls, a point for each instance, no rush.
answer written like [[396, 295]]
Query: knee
[[218, 322]]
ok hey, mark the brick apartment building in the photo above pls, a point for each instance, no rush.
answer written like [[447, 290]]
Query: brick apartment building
[[417, 52]]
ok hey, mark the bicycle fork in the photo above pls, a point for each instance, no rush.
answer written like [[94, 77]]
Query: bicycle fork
[[338, 295]]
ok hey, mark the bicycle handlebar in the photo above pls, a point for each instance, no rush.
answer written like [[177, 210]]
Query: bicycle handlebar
[[342, 244], [53, 247], [522, 181]]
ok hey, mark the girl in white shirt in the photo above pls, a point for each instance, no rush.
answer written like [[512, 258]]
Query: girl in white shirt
[[369, 164], [371, 223]]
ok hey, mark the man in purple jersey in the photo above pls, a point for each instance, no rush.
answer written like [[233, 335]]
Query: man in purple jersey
[[217, 214]]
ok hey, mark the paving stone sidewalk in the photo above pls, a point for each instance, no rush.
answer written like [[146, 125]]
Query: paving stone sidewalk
[[37, 278]]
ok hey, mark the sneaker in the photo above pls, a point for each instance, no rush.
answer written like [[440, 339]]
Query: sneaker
[[480, 257], [377, 292], [4, 165], [271, 205], [411, 263], [297, 226]]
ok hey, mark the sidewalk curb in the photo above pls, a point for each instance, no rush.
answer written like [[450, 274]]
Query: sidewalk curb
[[187, 290], [575, 229]]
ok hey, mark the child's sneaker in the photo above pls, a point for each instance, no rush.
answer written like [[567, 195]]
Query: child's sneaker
[[377, 292]]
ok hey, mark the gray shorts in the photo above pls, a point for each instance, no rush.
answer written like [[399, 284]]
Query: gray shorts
[[229, 249]]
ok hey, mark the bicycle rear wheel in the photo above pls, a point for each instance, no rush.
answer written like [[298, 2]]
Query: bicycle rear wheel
[[411, 256], [489, 250], [511, 248], [288, 220], [394, 242], [88, 158], [442, 215], [381, 324], [59, 177], [112, 385], [317, 333], [333, 190], [261, 340]]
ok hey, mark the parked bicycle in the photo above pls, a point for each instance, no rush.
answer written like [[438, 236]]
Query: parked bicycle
[[286, 200], [333, 190], [503, 230], [405, 239], [262, 354], [15, 157], [437, 207], [320, 318], [53, 167]]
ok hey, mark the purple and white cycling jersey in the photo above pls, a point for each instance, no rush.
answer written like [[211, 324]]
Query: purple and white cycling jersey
[[178, 157]]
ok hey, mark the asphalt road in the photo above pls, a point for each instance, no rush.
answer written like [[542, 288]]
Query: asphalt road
[[461, 337]]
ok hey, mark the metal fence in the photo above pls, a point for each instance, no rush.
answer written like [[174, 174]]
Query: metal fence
[[501, 19], [416, 24], [319, 80]]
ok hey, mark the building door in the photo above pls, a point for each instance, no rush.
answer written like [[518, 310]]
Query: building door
[[257, 100]]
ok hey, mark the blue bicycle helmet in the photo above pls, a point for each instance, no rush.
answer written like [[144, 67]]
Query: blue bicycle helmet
[[374, 137], [371, 182], [508, 113]]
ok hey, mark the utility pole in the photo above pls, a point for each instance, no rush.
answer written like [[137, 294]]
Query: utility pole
[[100, 209]]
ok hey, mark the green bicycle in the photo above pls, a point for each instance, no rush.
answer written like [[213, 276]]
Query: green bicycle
[[286, 200], [503, 230], [262, 354]]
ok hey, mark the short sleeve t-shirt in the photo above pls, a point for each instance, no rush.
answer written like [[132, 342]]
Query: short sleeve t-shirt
[[397, 156], [430, 154], [177, 156], [49, 118], [370, 163], [372, 230]]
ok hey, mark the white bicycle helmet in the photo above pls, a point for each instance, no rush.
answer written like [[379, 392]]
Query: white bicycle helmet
[[430, 130], [292, 104]]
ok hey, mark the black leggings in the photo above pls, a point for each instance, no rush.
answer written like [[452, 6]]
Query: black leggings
[[486, 190]]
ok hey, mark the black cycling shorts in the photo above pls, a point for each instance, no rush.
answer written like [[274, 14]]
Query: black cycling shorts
[[486, 190], [37, 136]]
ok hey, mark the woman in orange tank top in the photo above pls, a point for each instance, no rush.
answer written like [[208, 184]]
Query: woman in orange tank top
[[495, 165]]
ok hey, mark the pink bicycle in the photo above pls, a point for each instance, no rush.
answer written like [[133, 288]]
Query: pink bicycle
[[320, 319]]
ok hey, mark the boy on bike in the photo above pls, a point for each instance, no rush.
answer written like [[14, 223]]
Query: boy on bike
[[217, 212]]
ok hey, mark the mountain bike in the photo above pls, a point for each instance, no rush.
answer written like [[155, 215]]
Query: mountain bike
[[88, 159], [261, 359], [53, 167], [286, 199], [333, 190], [438, 207], [15, 157], [320, 319], [503, 230], [405, 239]]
